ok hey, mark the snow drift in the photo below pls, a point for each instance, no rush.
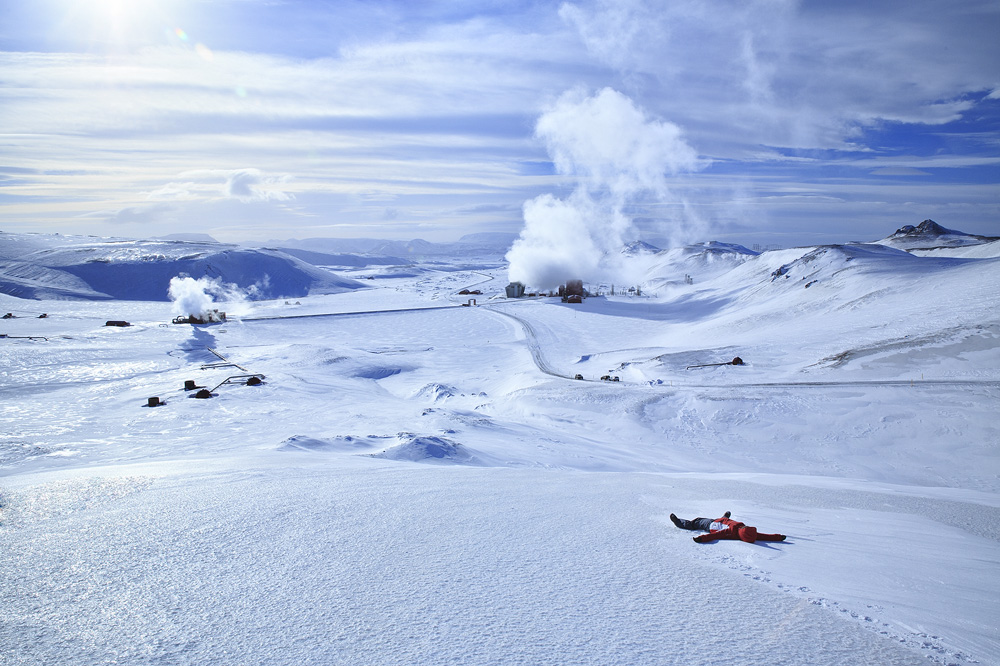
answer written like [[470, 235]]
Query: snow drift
[[427, 449]]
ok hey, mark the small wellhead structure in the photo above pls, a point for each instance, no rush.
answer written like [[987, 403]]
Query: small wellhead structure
[[203, 393], [735, 361]]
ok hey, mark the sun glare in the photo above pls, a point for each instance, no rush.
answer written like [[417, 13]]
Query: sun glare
[[117, 24], [117, 16]]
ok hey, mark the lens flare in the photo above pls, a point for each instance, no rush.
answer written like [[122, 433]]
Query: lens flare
[[115, 25]]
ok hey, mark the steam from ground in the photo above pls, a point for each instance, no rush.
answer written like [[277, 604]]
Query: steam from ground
[[615, 154], [196, 298]]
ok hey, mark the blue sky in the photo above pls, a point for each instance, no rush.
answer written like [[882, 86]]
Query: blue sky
[[768, 121]]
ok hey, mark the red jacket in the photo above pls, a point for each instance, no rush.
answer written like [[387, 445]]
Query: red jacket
[[736, 530]]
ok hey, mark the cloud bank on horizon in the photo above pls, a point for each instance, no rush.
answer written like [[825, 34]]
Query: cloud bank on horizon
[[760, 121]]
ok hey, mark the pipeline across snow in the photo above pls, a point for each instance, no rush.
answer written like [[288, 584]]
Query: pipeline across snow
[[350, 314]]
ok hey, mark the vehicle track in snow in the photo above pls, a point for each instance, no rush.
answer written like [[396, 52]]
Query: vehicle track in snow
[[489, 278], [531, 338]]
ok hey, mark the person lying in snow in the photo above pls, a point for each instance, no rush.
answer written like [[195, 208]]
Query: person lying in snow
[[723, 528]]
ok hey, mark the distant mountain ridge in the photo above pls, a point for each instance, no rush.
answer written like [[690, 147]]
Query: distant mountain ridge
[[493, 244], [188, 237], [639, 247], [342, 259], [89, 267], [927, 228], [81, 267], [929, 235]]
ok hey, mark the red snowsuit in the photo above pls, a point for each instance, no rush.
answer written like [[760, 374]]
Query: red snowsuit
[[736, 530]]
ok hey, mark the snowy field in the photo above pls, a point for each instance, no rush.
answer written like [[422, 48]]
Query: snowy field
[[417, 482]]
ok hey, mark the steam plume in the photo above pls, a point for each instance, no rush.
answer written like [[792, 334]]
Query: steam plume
[[195, 298], [615, 154]]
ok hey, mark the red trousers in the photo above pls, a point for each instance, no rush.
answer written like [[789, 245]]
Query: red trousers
[[737, 530]]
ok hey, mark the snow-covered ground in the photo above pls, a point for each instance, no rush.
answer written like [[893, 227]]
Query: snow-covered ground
[[417, 482]]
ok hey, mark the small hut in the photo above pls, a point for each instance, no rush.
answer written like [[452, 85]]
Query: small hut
[[572, 291], [515, 290]]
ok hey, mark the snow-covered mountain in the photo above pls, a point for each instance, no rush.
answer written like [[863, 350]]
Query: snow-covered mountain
[[705, 261], [696, 262], [639, 247], [54, 266], [929, 235]]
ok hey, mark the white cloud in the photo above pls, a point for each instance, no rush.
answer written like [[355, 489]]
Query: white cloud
[[245, 185], [450, 111], [792, 74], [141, 215], [612, 29], [174, 192], [898, 171], [938, 113], [249, 185]]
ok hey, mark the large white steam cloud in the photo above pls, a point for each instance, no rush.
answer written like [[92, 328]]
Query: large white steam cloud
[[615, 154], [196, 298]]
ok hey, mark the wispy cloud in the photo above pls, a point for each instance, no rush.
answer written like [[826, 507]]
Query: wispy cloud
[[790, 74]]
